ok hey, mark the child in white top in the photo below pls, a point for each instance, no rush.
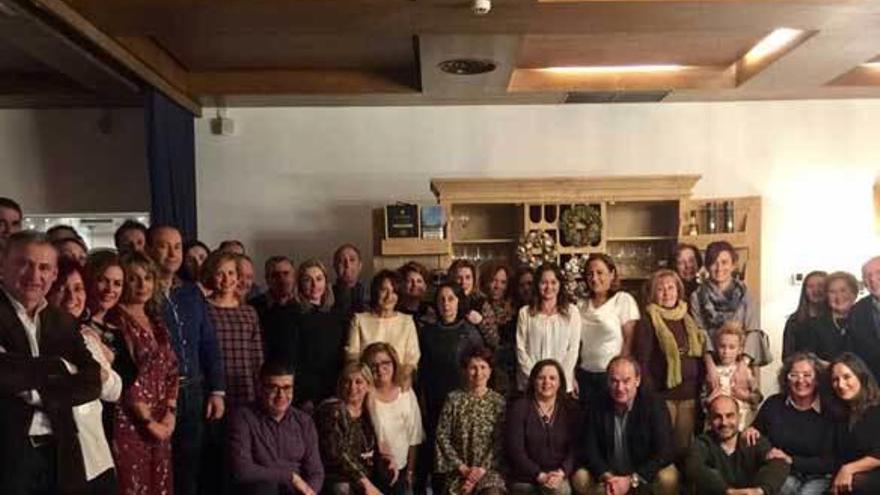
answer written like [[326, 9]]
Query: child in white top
[[735, 380]]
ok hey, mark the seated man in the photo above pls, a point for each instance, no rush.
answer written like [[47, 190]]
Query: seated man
[[273, 447], [628, 439], [721, 462]]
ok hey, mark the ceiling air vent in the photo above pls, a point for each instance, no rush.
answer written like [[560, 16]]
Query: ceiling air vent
[[615, 96], [466, 66]]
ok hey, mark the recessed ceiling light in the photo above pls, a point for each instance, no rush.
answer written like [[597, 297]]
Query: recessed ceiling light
[[772, 43], [871, 65], [614, 69], [467, 66]]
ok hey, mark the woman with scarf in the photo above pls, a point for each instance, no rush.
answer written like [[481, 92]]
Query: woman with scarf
[[669, 345], [722, 298]]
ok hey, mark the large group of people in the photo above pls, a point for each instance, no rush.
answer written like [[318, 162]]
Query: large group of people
[[162, 367]]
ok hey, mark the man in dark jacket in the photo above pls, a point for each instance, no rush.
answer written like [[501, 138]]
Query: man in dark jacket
[[722, 463], [45, 370], [864, 319], [628, 439]]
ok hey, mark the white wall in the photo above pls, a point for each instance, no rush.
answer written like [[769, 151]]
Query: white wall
[[58, 161], [302, 180]]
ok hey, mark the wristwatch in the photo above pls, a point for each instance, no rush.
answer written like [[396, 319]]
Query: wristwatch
[[634, 480]]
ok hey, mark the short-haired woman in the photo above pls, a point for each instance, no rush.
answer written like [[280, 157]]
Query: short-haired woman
[[383, 323], [827, 335]]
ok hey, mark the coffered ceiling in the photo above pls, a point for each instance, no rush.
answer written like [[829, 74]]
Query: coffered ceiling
[[389, 52]]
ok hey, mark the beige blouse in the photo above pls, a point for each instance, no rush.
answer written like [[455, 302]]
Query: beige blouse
[[399, 331]]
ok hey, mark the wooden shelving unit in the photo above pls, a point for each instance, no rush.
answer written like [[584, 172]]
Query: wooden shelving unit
[[643, 218]]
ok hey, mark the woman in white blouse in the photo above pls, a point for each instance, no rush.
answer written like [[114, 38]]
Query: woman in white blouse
[[395, 414], [385, 324], [548, 328], [609, 316]]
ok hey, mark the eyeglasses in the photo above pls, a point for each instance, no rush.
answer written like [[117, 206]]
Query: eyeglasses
[[379, 364], [800, 376], [276, 389]]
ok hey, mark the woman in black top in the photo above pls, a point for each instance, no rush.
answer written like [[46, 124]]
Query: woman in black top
[[463, 273], [811, 304], [827, 334], [797, 423], [443, 344], [415, 287], [857, 438], [315, 337]]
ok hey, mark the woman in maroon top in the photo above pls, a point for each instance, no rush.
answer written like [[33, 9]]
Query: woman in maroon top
[[145, 415], [541, 432], [237, 326], [669, 346]]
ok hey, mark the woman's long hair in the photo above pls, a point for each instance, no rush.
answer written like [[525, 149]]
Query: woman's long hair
[[563, 300], [868, 396], [802, 313]]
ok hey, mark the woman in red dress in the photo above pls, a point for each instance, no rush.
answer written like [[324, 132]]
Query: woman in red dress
[[145, 415]]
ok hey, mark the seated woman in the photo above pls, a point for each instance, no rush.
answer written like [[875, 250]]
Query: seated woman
[[670, 346], [857, 435], [383, 323], [687, 262], [811, 304], [349, 449], [540, 434], [445, 343], [468, 447], [396, 417], [826, 335], [799, 427]]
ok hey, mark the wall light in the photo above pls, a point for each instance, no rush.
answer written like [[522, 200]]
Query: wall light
[[772, 43], [614, 69], [871, 65]]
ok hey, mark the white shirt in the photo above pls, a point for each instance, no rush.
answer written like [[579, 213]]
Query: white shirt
[[92, 441], [541, 337], [399, 331], [398, 424], [40, 424], [602, 329]]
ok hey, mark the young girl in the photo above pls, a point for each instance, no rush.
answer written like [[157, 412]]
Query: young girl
[[729, 341]]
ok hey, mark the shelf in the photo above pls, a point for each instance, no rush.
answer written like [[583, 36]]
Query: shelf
[[643, 238], [504, 240], [414, 246], [703, 240]]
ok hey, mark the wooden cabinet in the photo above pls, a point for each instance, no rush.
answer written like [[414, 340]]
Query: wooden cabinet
[[642, 219]]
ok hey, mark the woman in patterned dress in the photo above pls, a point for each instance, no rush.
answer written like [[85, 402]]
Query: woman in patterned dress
[[499, 323], [145, 415], [468, 450], [237, 327]]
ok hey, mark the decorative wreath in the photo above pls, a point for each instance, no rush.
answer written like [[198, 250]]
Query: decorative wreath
[[582, 226], [573, 270], [536, 248]]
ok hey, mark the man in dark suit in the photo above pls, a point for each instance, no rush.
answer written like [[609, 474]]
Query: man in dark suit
[[864, 319], [628, 438], [45, 370]]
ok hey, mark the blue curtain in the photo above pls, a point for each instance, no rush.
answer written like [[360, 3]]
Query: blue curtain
[[171, 159]]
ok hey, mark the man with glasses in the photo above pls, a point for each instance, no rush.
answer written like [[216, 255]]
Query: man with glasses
[[273, 447]]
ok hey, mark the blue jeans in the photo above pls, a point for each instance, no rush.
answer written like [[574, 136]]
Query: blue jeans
[[186, 447], [796, 485]]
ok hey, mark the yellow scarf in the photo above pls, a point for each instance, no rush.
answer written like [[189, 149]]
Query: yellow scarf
[[696, 338]]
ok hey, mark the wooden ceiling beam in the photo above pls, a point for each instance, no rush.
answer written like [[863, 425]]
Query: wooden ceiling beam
[[114, 51], [315, 82]]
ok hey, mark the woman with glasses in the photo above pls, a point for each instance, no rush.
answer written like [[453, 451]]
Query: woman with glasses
[[797, 424], [396, 417]]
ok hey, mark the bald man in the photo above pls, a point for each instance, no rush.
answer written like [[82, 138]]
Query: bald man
[[865, 318], [721, 462]]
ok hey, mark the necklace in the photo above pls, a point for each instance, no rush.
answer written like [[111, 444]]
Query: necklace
[[547, 414]]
